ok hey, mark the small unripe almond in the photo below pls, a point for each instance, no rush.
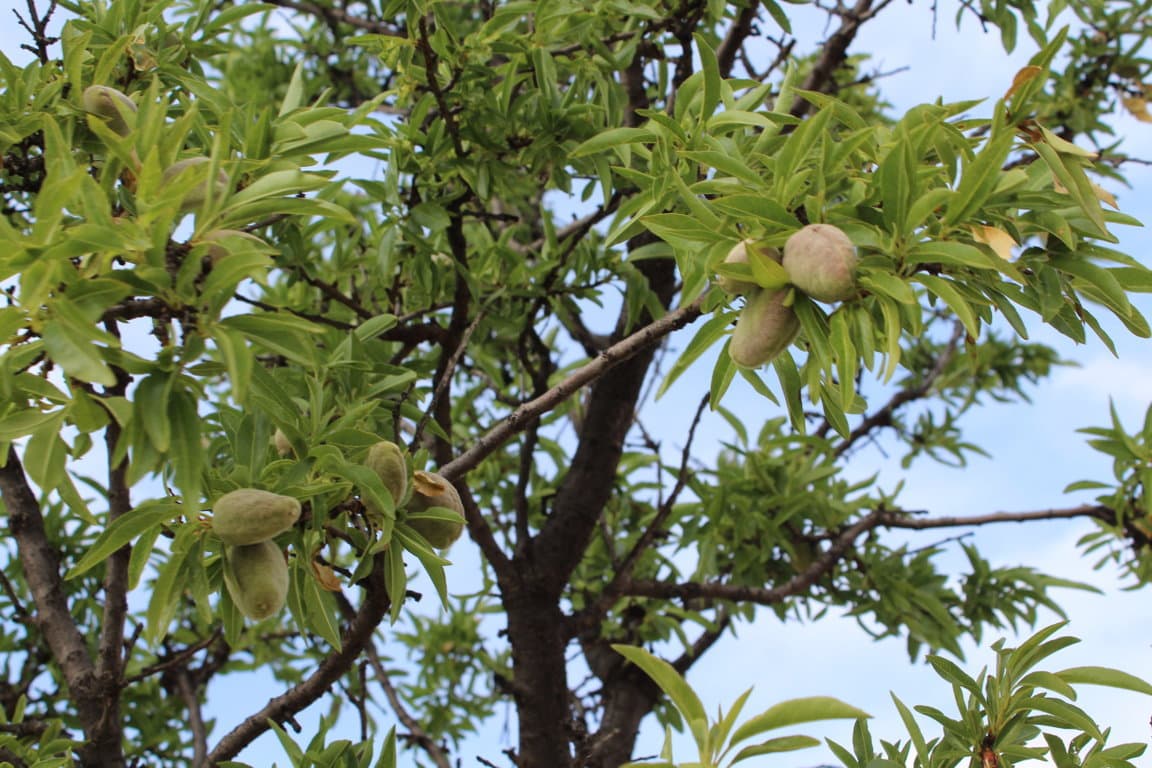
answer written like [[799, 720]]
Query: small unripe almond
[[387, 461], [432, 490], [739, 255], [196, 196], [111, 105], [765, 329], [249, 515], [281, 443], [217, 251], [821, 261], [256, 576]]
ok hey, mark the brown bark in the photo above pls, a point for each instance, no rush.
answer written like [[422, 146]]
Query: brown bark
[[536, 632], [41, 563], [536, 627]]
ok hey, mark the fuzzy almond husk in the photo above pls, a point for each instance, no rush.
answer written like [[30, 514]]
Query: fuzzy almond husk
[[765, 329], [821, 261], [256, 576], [196, 196], [111, 105], [217, 237], [249, 515], [387, 460], [739, 255], [432, 490]]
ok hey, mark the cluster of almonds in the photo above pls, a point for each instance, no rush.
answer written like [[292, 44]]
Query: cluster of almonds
[[248, 520], [820, 261], [255, 571], [118, 111], [429, 490]]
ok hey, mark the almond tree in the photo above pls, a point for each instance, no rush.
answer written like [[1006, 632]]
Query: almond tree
[[244, 243]]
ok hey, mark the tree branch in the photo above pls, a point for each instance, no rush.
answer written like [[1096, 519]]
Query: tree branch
[[416, 733], [706, 640], [333, 16], [285, 706], [1097, 511], [519, 419], [834, 52], [799, 583], [41, 563], [739, 31], [842, 543], [195, 719]]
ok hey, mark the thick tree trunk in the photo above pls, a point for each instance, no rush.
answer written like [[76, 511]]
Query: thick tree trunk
[[540, 670], [536, 628]]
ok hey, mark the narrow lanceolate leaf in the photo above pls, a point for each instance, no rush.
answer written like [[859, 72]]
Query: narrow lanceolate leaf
[[806, 710], [772, 746], [1112, 678], [980, 175], [669, 680], [124, 530], [951, 296], [613, 138]]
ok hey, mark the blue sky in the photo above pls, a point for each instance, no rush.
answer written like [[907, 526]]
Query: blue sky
[[1035, 453]]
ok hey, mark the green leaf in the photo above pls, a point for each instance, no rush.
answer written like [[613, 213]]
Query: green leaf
[[951, 296], [913, 729], [70, 340], [123, 530], [1106, 676], [25, 422], [295, 754], [678, 227], [1069, 714], [611, 139], [950, 672], [396, 580], [238, 359], [772, 746], [319, 608], [186, 452], [150, 400], [794, 711], [981, 174], [669, 680]]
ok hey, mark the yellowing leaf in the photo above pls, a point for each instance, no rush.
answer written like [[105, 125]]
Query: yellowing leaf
[[1105, 196], [997, 239], [1137, 106], [1023, 76], [325, 576]]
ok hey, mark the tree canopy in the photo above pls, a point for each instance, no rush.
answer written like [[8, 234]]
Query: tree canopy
[[298, 290]]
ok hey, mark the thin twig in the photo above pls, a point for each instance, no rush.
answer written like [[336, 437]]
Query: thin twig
[[446, 377], [883, 416], [416, 732], [332, 16], [592, 614], [843, 542], [178, 659], [195, 719]]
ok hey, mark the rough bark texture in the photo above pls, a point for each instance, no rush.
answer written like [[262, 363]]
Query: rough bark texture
[[41, 564], [535, 622]]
